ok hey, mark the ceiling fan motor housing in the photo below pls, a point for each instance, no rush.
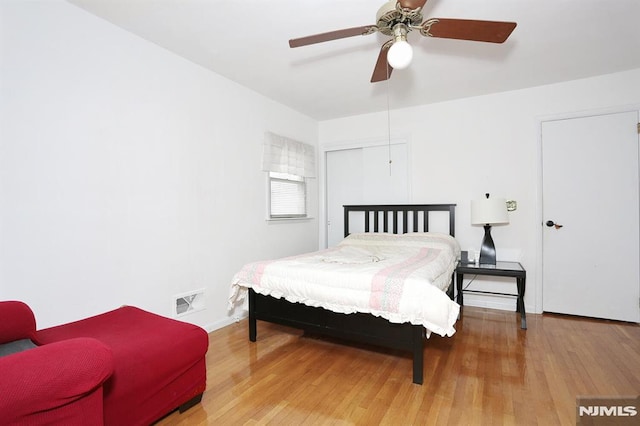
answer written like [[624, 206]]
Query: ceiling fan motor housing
[[391, 14]]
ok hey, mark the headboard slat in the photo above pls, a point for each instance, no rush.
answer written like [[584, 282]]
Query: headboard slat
[[405, 224], [395, 222]]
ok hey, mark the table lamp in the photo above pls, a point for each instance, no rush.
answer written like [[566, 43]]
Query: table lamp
[[486, 212]]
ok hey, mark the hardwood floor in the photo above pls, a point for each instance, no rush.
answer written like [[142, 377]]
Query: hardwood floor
[[490, 372]]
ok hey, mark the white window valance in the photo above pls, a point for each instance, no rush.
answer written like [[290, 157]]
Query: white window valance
[[284, 155]]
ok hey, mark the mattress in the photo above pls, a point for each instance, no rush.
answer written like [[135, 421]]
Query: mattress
[[399, 277]]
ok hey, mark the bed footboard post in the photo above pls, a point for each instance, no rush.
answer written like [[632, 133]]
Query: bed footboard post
[[418, 354], [252, 315]]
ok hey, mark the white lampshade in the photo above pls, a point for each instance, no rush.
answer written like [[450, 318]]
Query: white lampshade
[[489, 211], [400, 55]]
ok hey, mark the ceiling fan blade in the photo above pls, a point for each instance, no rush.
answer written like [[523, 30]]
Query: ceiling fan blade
[[382, 70], [333, 35], [412, 4], [467, 29]]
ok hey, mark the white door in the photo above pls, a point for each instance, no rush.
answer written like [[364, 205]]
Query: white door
[[363, 176], [590, 189]]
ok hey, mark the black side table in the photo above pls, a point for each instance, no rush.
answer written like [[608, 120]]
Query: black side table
[[500, 269]]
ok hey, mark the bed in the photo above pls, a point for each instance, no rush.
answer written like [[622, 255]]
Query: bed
[[406, 268]]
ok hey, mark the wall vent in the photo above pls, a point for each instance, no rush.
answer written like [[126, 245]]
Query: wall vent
[[189, 302]]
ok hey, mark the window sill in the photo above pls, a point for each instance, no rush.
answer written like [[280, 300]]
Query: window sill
[[288, 219]]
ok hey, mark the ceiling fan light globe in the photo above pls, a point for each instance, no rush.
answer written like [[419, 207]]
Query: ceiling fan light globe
[[400, 55]]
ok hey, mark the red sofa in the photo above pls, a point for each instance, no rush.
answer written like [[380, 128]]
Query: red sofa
[[158, 363], [60, 383]]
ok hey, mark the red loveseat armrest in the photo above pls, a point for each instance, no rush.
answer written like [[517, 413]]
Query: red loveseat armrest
[[57, 383], [16, 321]]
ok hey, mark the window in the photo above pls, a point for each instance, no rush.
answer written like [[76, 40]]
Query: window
[[288, 163], [288, 195]]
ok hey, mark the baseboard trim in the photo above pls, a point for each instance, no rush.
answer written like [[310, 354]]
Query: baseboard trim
[[223, 323]]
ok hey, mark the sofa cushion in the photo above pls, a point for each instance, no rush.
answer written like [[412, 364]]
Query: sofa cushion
[[16, 346]]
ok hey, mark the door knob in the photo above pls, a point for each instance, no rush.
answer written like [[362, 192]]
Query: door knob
[[550, 223]]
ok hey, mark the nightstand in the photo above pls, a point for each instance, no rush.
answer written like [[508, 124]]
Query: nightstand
[[500, 269]]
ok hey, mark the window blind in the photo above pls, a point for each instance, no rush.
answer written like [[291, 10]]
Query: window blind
[[288, 195]]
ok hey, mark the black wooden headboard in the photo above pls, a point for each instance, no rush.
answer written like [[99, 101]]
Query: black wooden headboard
[[414, 217]]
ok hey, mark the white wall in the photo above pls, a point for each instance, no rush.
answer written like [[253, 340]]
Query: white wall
[[128, 174], [462, 149]]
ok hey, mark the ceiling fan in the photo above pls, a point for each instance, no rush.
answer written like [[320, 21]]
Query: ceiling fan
[[397, 18]]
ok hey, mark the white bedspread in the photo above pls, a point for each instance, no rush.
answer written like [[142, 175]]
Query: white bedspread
[[402, 278]]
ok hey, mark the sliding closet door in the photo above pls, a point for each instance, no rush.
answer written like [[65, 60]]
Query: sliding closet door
[[364, 176], [344, 173]]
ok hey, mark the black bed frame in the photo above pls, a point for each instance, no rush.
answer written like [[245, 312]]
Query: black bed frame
[[359, 327]]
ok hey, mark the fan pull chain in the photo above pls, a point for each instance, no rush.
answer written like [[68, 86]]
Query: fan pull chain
[[388, 120]]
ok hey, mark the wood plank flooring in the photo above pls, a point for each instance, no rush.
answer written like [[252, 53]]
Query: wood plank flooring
[[489, 373]]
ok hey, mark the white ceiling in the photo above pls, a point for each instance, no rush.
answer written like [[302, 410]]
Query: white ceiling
[[247, 41]]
